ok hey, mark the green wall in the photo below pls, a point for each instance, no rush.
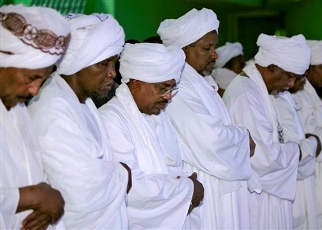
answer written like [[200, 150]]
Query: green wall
[[305, 18]]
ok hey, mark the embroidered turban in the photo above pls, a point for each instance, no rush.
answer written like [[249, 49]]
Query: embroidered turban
[[31, 37], [151, 62], [291, 54], [188, 28], [94, 38]]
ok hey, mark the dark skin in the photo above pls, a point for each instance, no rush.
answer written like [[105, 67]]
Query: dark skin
[[88, 80], [17, 86], [276, 79], [201, 55], [150, 99], [315, 75]]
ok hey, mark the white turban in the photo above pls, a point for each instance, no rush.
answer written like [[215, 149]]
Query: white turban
[[95, 38], [188, 28], [31, 37], [151, 62], [291, 54], [227, 52], [316, 52]]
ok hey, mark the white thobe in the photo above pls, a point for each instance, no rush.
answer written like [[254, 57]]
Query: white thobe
[[223, 77], [214, 148], [311, 117], [304, 207], [275, 165], [147, 144], [77, 158], [20, 162]]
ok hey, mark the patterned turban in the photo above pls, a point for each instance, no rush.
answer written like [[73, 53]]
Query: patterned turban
[[94, 38], [31, 37]]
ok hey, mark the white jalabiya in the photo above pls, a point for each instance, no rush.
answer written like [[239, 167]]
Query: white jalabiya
[[227, 52], [304, 205], [274, 164], [78, 163], [223, 77], [147, 144], [311, 117], [214, 148], [25, 41], [20, 163]]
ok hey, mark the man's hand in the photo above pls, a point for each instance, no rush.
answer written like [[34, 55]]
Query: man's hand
[[318, 148], [252, 145], [41, 198], [198, 192], [129, 183], [36, 220]]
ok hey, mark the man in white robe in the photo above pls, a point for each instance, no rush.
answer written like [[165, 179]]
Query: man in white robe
[[76, 154], [248, 98], [25, 62], [142, 136], [229, 63], [310, 113], [213, 147], [304, 205]]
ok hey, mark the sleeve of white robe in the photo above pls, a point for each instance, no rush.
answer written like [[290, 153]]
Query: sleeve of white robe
[[87, 182], [216, 148], [9, 199], [272, 161], [293, 131], [155, 200]]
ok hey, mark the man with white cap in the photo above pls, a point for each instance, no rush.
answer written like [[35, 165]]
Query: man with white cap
[[76, 154], [304, 205], [213, 147], [142, 136], [310, 113], [229, 63], [32, 39], [278, 63]]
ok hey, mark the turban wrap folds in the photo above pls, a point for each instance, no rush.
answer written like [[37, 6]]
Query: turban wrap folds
[[188, 28], [94, 38], [31, 37], [151, 62], [227, 52], [291, 54], [316, 52]]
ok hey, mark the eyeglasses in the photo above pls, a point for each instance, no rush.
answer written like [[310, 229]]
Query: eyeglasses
[[173, 91]]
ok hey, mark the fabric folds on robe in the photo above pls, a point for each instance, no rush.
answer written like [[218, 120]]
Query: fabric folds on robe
[[147, 144], [77, 158], [304, 205], [274, 164], [310, 114], [203, 125], [20, 162]]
